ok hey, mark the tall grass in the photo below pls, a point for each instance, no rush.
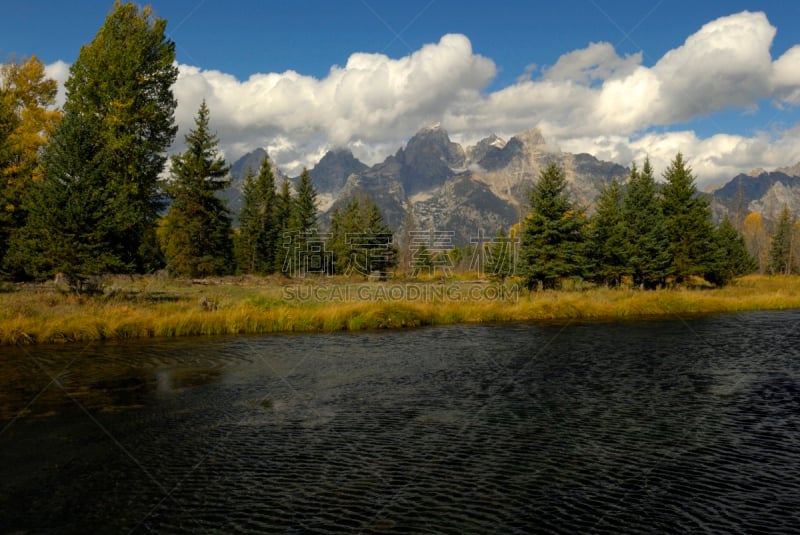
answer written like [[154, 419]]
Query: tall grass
[[147, 309]]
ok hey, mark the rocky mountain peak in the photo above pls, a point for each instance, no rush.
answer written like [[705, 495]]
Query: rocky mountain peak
[[429, 159], [434, 126], [765, 193], [531, 138], [487, 146], [252, 161], [331, 172], [792, 170]]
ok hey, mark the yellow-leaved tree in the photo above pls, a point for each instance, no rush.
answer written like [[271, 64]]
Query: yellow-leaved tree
[[756, 239], [27, 119]]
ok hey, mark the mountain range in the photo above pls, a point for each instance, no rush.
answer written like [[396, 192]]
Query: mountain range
[[433, 183]]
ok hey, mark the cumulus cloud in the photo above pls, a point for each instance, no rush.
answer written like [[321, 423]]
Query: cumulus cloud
[[58, 71], [372, 100], [590, 100], [713, 159], [786, 76], [725, 64], [597, 62]]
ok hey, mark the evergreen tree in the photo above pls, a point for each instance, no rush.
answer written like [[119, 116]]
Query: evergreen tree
[[688, 222], [303, 222], [647, 252], [360, 240], [244, 239], [607, 237], [780, 253], [553, 245], [257, 240], [338, 242], [304, 211], [732, 259], [283, 221], [346, 224], [122, 81], [74, 220], [196, 233], [382, 251]]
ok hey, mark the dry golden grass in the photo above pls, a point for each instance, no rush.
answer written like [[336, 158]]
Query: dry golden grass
[[146, 307]]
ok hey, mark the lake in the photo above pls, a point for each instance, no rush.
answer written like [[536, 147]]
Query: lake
[[630, 427]]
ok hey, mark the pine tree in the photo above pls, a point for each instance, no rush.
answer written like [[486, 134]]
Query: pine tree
[[283, 221], [607, 237], [196, 234], [732, 259], [346, 224], [74, 220], [360, 240], [257, 240], [382, 251], [304, 213], [122, 81], [244, 240], [688, 222], [553, 245], [647, 252], [780, 253], [303, 224]]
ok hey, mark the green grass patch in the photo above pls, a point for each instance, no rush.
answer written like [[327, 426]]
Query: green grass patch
[[142, 308]]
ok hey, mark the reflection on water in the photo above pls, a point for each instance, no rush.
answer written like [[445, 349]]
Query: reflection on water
[[630, 427]]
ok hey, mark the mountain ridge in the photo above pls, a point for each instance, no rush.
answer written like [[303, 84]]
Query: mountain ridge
[[434, 183]]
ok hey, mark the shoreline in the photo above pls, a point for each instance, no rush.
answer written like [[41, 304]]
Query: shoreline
[[145, 307]]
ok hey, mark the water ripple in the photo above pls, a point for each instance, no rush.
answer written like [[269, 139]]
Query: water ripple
[[656, 426]]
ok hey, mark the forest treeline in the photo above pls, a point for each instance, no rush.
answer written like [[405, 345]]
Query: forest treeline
[[83, 193]]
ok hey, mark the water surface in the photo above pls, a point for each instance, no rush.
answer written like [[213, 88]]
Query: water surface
[[669, 425]]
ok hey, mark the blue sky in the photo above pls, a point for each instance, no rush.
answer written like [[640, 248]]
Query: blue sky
[[500, 67]]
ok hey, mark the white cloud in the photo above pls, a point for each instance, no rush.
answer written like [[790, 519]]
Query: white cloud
[[371, 100], [596, 62], [713, 160], [58, 71], [591, 100], [726, 63], [786, 76]]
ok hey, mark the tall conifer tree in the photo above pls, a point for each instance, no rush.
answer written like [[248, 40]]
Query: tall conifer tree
[[284, 208], [303, 227], [123, 81], [647, 251], [304, 211], [688, 222], [196, 233], [607, 239], [780, 252], [732, 259], [360, 240], [257, 240], [553, 245], [74, 221]]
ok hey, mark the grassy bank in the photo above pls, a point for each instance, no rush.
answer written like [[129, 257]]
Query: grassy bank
[[147, 307]]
